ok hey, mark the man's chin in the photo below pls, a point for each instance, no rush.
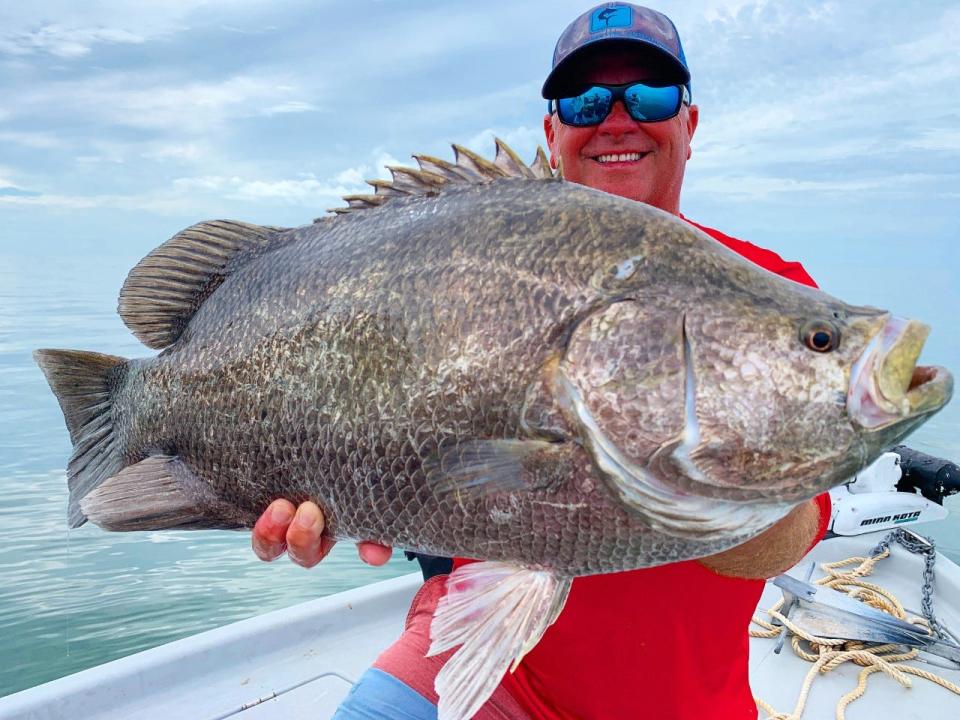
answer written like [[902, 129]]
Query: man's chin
[[620, 182]]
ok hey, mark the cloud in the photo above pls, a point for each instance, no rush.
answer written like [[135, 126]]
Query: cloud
[[522, 140], [37, 140], [384, 159], [66, 202], [25, 28], [64, 41], [6, 181], [157, 102], [191, 152], [943, 140], [352, 176], [302, 190], [291, 106], [205, 194], [762, 187]]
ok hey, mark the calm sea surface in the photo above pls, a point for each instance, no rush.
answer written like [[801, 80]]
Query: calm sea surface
[[73, 599]]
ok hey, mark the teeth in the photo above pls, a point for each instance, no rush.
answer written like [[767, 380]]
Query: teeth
[[622, 157]]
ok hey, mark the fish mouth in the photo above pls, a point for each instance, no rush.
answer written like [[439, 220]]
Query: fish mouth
[[886, 384]]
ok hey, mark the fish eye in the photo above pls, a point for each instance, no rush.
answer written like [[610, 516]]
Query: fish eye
[[820, 336]]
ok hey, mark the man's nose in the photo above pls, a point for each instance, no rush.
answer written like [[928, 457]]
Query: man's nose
[[618, 122]]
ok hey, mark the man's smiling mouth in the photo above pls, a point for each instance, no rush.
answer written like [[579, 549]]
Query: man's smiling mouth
[[619, 157]]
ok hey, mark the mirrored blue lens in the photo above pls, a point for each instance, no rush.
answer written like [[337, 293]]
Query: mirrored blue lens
[[649, 104], [587, 108], [645, 103]]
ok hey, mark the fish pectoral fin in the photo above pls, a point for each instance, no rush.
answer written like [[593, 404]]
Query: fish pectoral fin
[[158, 493], [478, 467], [164, 290], [496, 613]]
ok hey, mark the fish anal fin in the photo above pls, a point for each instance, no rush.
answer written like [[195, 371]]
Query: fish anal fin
[[159, 493], [496, 613], [164, 290]]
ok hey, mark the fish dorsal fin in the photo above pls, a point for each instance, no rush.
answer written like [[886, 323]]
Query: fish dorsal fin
[[435, 174], [165, 289]]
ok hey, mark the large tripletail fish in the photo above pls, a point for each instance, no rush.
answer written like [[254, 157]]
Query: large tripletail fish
[[484, 360]]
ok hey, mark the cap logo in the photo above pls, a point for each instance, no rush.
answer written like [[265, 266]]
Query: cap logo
[[611, 17]]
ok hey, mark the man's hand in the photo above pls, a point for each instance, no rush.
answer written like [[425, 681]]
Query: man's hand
[[776, 549], [299, 532]]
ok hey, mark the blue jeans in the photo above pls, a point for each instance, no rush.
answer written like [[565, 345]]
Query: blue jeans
[[380, 696]]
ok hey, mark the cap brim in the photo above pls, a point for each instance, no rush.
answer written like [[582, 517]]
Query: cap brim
[[554, 84]]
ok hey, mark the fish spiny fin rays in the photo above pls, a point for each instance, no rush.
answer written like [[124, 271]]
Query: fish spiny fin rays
[[496, 613], [84, 383], [158, 493], [480, 467], [435, 174], [165, 289], [541, 166]]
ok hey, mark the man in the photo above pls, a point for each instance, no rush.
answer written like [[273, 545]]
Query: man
[[665, 642]]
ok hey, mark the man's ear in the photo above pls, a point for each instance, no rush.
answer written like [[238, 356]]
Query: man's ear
[[693, 117], [550, 133]]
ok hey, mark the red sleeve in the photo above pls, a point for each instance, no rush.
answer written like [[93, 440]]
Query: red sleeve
[[767, 259], [825, 508]]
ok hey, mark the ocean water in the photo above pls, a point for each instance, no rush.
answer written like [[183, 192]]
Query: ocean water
[[71, 599]]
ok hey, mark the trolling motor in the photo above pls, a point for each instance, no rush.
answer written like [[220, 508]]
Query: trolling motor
[[934, 477], [903, 487]]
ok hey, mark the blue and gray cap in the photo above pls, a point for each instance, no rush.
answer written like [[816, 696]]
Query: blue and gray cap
[[621, 22]]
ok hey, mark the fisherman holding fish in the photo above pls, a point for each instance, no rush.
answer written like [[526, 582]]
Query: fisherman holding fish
[[625, 418], [664, 642]]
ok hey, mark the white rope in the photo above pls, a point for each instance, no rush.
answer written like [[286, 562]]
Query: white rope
[[827, 654]]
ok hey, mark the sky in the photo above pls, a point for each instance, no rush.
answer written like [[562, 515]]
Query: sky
[[829, 131]]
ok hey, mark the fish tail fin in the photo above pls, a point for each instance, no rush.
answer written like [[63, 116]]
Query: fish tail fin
[[85, 384]]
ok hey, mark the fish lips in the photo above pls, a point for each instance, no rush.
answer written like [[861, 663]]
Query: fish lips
[[887, 386]]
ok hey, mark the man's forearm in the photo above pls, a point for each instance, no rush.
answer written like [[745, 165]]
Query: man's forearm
[[774, 550]]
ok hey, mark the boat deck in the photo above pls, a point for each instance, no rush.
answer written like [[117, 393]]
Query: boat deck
[[294, 663], [300, 662]]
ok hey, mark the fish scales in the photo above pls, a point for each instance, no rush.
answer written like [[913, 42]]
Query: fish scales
[[286, 386]]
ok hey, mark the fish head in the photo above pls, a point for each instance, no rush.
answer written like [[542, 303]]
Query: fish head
[[757, 390], [792, 392]]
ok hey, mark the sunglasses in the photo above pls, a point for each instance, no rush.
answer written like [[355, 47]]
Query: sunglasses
[[644, 103]]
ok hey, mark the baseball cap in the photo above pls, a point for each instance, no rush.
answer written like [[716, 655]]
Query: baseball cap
[[621, 22]]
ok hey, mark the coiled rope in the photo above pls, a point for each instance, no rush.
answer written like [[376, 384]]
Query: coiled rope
[[827, 654]]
